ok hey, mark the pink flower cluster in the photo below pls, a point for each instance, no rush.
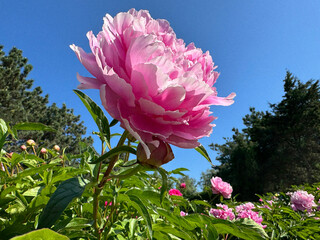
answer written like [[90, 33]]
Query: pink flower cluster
[[221, 187], [156, 86], [242, 211], [175, 192], [245, 211], [301, 200], [224, 212]]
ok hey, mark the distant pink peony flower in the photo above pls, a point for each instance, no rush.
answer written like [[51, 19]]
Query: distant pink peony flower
[[301, 200], [183, 185], [221, 187], [255, 216], [245, 207], [175, 192], [182, 214], [156, 86], [224, 213]]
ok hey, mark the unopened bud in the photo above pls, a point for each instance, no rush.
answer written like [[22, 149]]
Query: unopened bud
[[159, 155], [30, 142], [56, 148], [182, 185], [43, 150], [23, 147]]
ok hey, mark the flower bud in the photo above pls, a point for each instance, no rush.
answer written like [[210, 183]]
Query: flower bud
[[182, 185], [159, 155], [56, 148], [30, 142], [23, 147], [43, 151]]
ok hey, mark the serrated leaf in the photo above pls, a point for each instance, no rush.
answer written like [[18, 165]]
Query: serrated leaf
[[96, 113], [65, 193], [113, 152], [204, 153], [42, 234]]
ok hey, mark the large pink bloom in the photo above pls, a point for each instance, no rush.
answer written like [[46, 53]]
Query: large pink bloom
[[155, 85], [301, 200], [221, 187]]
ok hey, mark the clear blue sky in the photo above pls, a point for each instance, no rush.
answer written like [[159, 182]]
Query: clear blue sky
[[252, 42]]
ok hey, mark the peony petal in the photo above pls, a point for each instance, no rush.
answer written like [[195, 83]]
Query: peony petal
[[171, 98], [88, 61], [88, 83]]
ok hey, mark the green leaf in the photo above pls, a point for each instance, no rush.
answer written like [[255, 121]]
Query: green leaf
[[162, 227], [115, 151], [204, 153], [31, 127], [60, 199], [31, 171], [77, 223], [113, 122], [178, 170], [164, 186], [203, 203], [96, 113], [138, 204], [3, 132], [42, 234]]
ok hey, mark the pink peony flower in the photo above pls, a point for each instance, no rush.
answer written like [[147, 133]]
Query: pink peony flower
[[221, 187], [253, 215], [175, 192], [224, 213], [156, 86], [183, 185], [182, 214], [301, 200], [245, 207]]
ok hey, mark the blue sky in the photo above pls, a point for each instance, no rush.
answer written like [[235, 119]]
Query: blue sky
[[252, 42]]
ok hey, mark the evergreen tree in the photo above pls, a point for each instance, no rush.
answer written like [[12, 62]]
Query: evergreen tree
[[20, 103], [276, 149]]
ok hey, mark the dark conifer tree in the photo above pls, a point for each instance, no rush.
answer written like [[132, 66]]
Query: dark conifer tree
[[277, 148], [20, 103]]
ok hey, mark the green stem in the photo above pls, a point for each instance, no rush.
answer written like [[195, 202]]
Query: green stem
[[113, 161], [98, 189], [96, 195]]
